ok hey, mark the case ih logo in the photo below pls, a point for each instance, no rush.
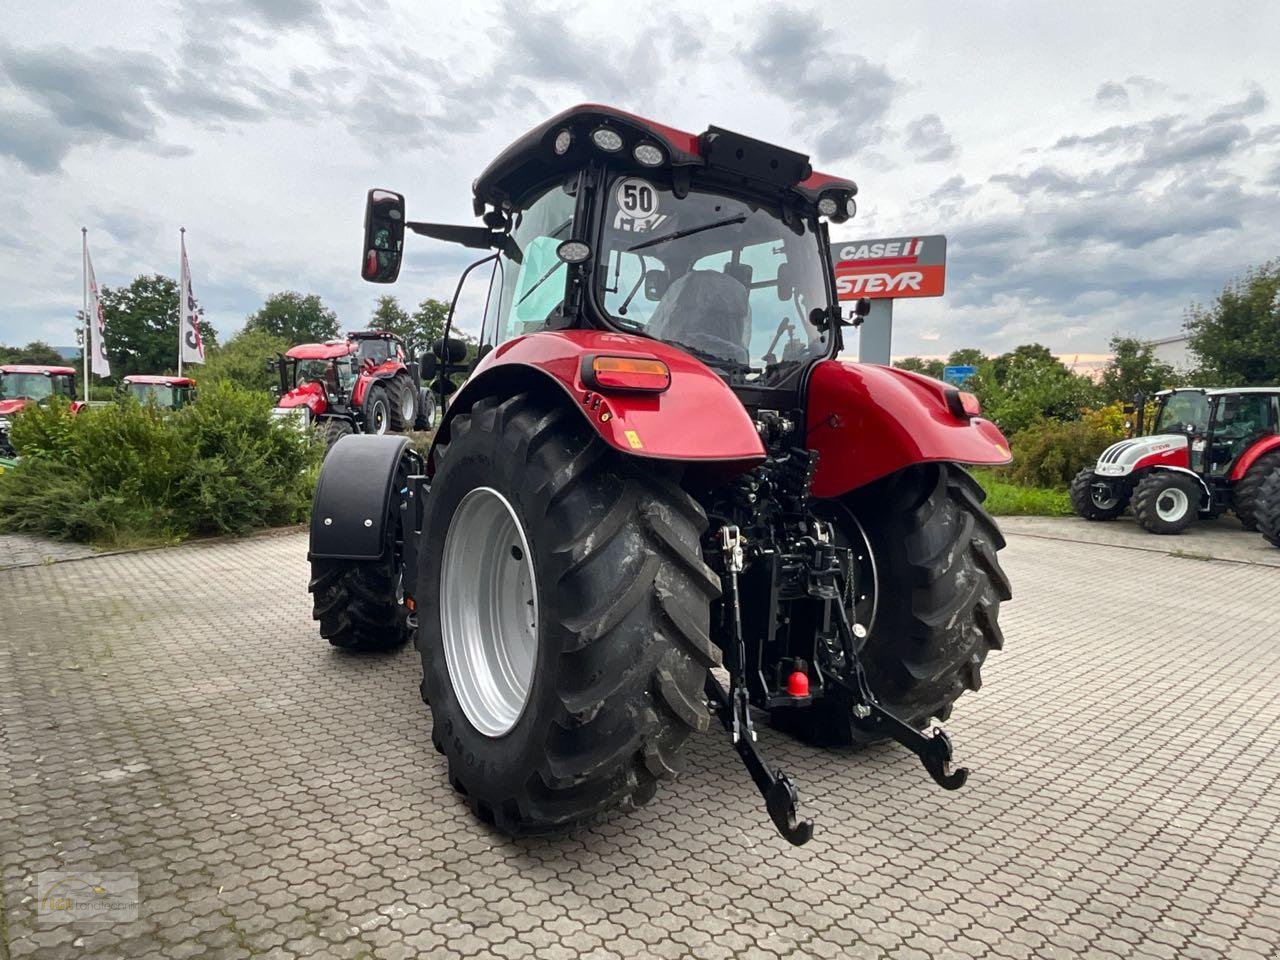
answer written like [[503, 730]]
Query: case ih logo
[[894, 268]]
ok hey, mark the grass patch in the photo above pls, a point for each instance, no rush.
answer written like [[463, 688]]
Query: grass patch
[[1006, 499]]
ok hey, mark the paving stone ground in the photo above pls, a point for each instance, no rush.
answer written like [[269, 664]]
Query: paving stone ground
[[19, 549], [173, 713]]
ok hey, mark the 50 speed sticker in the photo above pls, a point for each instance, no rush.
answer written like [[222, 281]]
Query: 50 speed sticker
[[637, 202]]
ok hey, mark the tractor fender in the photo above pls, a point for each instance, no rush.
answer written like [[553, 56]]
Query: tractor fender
[[696, 419], [867, 421], [1253, 454], [353, 497], [1204, 487]]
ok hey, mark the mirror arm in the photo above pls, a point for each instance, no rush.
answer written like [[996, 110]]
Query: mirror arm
[[478, 238]]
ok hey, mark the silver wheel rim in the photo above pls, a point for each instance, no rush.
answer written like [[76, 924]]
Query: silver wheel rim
[[488, 611], [1102, 497], [378, 415], [406, 406], [1171, 504]]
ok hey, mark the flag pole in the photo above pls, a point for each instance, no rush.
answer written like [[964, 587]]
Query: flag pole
[[181, 305], [84, 289]]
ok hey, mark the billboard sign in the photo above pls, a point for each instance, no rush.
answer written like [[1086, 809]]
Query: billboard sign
[[956, 376], [893, 268]]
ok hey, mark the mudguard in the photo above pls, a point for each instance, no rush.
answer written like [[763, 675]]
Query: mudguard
[[353, 497], [697, 418], [867, 421], [1253, 454]]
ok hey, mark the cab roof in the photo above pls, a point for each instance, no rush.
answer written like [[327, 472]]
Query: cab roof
[[332, 350], [1218, 391], [532, 159], [159, 380], [36, 368]]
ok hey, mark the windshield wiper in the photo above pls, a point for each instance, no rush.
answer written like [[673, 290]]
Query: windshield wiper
[[713, 359], [554, 267], [740, 218]]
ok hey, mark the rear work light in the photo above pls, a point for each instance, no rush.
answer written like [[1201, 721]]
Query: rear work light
[[963, 404], [625, 374]]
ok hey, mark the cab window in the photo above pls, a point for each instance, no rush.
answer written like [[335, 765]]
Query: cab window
[[531, 285]]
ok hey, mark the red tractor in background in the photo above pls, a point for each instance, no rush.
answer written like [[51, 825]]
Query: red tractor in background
[[366, 383], [657, 467], [22, 384], [1211, 451], [166, 392]]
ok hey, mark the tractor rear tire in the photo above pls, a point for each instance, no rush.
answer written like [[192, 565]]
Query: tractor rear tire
[[404, 404], [333, 429], [1085, 502], [426, 410], [618, 645], [1166, 502], [940, 588], [1269, 508], [1245, 496]]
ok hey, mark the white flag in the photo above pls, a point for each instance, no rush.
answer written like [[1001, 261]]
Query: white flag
[[97, 326], [190, 345]]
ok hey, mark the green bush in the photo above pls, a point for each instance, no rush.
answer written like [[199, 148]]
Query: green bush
[[1008, 499], [127, 474], [1048, 454]]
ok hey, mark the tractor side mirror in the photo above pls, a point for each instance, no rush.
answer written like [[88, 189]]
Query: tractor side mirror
[[862, 307], [270, 365], [383, 236], [656, 284], [355, 363], [428, 366], [786, 286]]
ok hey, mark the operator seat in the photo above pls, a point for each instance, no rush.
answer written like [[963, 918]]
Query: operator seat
[[707, 310]]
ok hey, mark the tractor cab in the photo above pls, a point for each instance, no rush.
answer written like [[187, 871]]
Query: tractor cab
[[376, 348], [22, 384], [167, 393]]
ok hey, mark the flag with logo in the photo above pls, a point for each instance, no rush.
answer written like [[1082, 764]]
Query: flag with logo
[[97, 325], [191, 345]]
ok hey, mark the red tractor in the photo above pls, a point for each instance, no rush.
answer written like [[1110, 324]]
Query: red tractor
[[166, 392], [22, 384], [366, 383], [659, 467], [1211, 451]]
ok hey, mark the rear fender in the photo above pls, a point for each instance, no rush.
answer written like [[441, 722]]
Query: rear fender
[[353, 497], [868, 421], [696, 419], [1253, 454]]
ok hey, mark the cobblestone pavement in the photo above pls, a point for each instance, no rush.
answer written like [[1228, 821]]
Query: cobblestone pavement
[[1221, 538], [19, 550], [173, 713]]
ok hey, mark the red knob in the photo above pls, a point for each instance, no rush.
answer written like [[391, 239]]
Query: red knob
[[798, 684]]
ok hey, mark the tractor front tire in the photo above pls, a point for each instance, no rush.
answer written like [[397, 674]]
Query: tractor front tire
[[376, 409], [358, 604], [1245, 496], [404, 404], [615, 647], [1085, 501], [333, 429], [1166, 502], [940, 586], [1269, 508]]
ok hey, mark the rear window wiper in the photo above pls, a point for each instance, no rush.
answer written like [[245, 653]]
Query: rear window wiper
[[740, 218], [713, 359]]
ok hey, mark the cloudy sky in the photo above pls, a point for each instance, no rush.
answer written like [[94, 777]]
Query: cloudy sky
[[1096, 166]]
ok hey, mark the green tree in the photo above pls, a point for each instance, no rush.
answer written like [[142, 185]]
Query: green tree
[[1027, 385], [242, 360], [388, 315], [428, 321], [142, 325], [295, 317], [1237, 338], [37, 351], [930, 368], [966, 357], [1133, 369]]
